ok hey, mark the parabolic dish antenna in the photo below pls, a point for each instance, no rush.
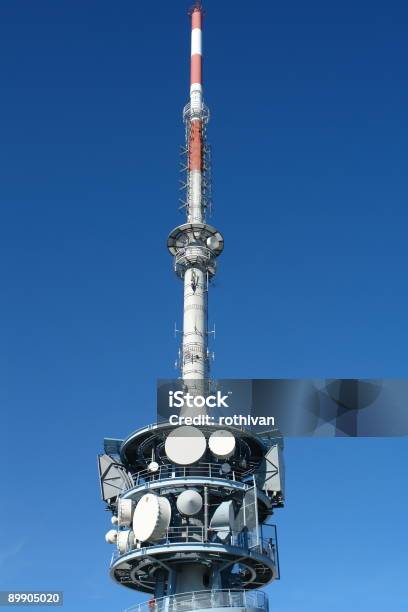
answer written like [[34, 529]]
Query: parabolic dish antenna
[[185, 445], [223, 520], [151, 518], [213, 243], [153, 466], [125, 511], [111, 536], [223, 516], [222, 444], [189, 502], [126, 540]]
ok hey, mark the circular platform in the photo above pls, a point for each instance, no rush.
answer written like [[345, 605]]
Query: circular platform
[[137, 569], [136, 449], [221, 488], [195, 233]]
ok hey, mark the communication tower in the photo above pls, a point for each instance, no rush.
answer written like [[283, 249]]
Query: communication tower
[[190, 505]]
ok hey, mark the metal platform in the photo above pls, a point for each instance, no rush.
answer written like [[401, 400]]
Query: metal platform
[[216, 599], [159, 485], [255, 565], [136, 448]]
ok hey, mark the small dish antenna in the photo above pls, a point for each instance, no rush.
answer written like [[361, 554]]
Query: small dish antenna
[[185, 445], [213, 243], [125, 541], [125, 511], [222, 444], [189, 502], [111, 536]]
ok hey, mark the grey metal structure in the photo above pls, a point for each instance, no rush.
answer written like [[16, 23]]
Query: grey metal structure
[[190, 506]]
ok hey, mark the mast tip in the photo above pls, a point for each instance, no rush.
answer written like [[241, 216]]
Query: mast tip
[[197, 6]]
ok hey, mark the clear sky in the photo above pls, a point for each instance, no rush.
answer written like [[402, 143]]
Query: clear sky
[[309, 128]]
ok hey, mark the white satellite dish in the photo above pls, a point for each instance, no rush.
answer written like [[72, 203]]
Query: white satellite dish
[[189, 502], [223, 515], [125, 541], [125, 511], [222, 444], [151, 518], [213, 243], [153, 466], [111, 536], [114, 520], [185, 445], [223, 519]]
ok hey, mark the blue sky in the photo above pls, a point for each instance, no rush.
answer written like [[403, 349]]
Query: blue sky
[[309, 132]]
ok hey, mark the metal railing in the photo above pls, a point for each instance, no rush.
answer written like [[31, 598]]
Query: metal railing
[[247, 540], [193, 253], [195, 600], [205, 470], [199, 255]]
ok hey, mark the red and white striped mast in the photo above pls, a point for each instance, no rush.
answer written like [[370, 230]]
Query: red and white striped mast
[[195, 244], [195, 144]]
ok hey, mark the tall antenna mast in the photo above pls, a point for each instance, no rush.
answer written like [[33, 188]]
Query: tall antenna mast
[[195, 245], [189, 503]]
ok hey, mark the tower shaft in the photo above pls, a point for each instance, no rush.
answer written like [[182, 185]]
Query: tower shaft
[[194, 363], [195, 357]]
